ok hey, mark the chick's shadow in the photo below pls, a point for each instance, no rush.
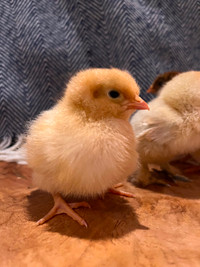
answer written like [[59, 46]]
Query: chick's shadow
[[108, 218]]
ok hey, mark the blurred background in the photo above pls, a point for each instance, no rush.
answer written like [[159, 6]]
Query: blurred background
[[44, 42]]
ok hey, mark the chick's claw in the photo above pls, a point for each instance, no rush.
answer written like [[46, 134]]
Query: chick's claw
[[60, 207]]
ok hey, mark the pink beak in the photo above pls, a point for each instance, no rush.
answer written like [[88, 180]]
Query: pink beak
[[139, 103]]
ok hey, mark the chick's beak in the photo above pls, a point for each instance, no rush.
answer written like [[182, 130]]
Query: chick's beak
[[138, 103]]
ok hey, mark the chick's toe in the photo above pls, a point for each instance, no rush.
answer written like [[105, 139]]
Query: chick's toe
[[166, 178], [120, 192], [60, 207]]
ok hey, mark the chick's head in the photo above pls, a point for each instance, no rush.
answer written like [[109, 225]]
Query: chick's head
[[182, 92], [103, 93], [161, 80]]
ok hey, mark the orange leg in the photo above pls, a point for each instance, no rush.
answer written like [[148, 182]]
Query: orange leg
[[60, 206], [119, 192]]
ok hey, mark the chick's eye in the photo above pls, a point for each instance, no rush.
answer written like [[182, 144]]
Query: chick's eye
[[113, 94]]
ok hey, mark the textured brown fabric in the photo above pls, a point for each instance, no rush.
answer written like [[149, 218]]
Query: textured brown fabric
[[159, 227]]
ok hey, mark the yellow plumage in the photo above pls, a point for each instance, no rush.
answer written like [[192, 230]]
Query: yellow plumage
[[85, 144]]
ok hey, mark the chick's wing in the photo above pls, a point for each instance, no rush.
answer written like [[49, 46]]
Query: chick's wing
[[161, 124]]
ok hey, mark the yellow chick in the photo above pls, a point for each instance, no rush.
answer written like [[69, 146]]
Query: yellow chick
[[85, 144], [171, 128]]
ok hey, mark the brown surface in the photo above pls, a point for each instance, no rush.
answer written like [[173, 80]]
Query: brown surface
[[160, 227]]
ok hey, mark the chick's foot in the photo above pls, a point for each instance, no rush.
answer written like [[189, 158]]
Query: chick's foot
[[60, 207], [166, 178], [119, 192]]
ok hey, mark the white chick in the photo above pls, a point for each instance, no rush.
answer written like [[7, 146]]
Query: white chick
[[161, 80], [85, 144], [155, 88], [171, 127]]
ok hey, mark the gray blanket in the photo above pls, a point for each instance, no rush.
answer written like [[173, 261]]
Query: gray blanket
[[44, 42]]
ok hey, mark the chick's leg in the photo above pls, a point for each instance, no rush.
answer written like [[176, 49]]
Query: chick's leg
[[119, 192], [142, 177], [60, 206], [160, 173]]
